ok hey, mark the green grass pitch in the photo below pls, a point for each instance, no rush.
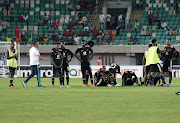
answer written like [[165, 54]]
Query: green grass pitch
[[87, 105]]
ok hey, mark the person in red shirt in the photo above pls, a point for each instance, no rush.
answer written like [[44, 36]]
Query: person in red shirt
[[80, 2], [70, 26], [16, 30], [55, 23], [20, 18], [71, 33], [71, 41], [94, 32], [65, 33], [54, 37], [150, 18], [111, 34]]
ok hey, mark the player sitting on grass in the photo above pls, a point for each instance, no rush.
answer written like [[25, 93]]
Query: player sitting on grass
[[129, 78], [12, 57], [57, 61]]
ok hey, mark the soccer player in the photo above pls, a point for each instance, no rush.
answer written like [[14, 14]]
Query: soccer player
[[57, 61], [168, 58], [129, 78], [65, 53], [12, 56], [86, 54], [34, 63], [147, 65]]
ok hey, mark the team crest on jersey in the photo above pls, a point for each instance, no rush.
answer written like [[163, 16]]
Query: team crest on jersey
[[84, 53], [64, 54]]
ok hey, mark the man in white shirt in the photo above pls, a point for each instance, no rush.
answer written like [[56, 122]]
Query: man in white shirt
[[143, 32], [102, 19], [34, 62], [77, 40]]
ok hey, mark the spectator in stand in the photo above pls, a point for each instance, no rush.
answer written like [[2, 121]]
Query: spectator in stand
[[7, 2], [23, 32], [77, 40], [102, 19], [131, 40], [9, 39], [18, 39], [91, 27], [80, 3], [77, 7], [30, 39], [135, 40], [108, 20], [16, 30], [136, 26], [80, 15], [158, 18], [168, 32], [75, 32], [150, 18], [143, 32], [54, 37], [60, 37], [86, 28], [118, 29], [66, 40], [100, 35], [45, 19], [71, 41], [89, 6], [20, 18], [24, 39], [70, 33], [65, 32], [109, 41], [4, 25], [70, 7], [86, 32], [11, 12], [80, 33], [94, 32], [111, 34], [84, 19], [174, 32], [159, 26], [25, 18], [40, 22], [120, 19], [88, 39], [45, 39], [55, 23], [40, 39], [50, 22], [70, 26], [148, 32], [51, 29], [129, 26]]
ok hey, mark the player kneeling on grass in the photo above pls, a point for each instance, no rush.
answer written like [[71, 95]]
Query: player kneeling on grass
[[34, 63], [104, 78], [12, 56], [57, 61], [129, 78]]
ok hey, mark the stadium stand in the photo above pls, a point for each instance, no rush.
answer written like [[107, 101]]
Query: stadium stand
[[81, 14]]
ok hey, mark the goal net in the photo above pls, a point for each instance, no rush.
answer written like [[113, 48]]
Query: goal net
[[4, 71]]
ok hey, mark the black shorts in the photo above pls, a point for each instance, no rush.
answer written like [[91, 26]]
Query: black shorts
[[12, 70], [147, 69], [155, 68], [84, 67], [56, 69], [101, 82], [66, 67], [167, 66]]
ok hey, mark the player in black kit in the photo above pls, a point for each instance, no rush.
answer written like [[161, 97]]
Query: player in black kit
[[65, 53], [168, 58], [57, 61], [86, 54], [129, 78]]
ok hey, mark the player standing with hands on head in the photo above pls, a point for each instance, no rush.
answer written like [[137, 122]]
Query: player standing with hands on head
[[86, 54], [57, 61], [34, 63], [12, 56], [65, 68]]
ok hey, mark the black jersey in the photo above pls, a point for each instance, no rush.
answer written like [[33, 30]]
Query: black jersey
[[169, 55], [84, 53], [56, 56], [128, 75], [65, 53], [115, 70]]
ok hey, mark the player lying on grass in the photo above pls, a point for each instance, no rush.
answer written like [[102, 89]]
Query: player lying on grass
[[129, 78], [105, 78]]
